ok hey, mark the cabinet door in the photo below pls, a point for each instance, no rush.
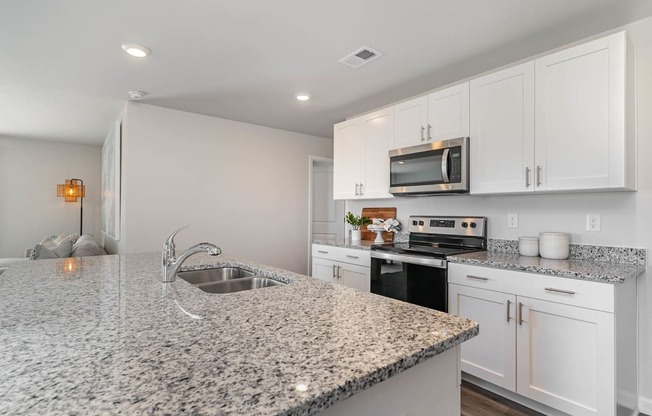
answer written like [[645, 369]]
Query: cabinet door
[[357, 277], [565, 357], [491, 355], [348, 159], [448, 113], [410, 121], [378, 140], [580, 116], [324, 269], [502, 131]]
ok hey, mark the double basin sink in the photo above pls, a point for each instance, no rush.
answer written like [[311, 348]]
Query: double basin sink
[[227, 280]]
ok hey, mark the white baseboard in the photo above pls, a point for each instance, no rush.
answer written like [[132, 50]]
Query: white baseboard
[[645, 405]]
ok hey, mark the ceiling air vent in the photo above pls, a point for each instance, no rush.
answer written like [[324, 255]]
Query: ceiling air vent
[[360, 57]]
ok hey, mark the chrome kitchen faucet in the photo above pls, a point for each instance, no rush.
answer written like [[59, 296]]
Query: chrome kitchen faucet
[[170, 264]]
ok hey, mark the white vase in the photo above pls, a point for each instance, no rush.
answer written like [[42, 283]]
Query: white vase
[[356, 235]]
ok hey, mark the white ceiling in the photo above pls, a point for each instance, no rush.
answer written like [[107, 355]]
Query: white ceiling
[[64, 76]]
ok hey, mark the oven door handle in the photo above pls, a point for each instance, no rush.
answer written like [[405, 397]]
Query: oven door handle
[[444, 166], [421, 260]]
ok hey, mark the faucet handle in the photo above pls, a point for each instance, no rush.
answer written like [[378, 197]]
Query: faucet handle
[[169, 242]]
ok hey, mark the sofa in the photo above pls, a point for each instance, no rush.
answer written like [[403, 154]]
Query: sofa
[[54, 247]]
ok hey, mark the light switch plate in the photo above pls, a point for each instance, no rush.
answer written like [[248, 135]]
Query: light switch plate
[[512, 220]]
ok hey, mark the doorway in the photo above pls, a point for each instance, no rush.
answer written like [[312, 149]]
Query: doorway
[[326, 216]]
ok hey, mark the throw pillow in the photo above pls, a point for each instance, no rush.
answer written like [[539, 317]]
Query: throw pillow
[[87, 246], [41, 252], [65, 237], [48, 242]]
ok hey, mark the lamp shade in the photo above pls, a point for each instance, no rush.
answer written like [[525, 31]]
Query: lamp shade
[[71, 190]]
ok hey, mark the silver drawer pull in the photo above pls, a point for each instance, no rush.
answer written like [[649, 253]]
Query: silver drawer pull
[[352, 257], [470, 276], [552, 289], [322, 251], [508, 304]]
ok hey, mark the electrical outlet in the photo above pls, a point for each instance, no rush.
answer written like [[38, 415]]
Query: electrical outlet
[[512, 220], [594, 222]]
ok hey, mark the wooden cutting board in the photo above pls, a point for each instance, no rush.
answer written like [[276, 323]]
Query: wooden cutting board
[[383, 213]]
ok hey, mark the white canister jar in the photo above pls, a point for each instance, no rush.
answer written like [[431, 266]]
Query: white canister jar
[[356, 235], [528, 246], [555, 246]]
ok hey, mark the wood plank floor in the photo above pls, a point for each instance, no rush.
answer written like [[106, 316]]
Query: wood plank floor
[[480, 402]]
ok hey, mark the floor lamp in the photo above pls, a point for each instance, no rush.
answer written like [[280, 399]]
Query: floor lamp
[[74, 188]]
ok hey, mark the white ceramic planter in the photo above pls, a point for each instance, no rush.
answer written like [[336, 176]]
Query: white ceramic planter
[[554, 246], [356, 235], [528, 246]]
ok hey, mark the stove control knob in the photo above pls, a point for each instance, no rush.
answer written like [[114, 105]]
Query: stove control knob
[[415, 223], [465, 224], [473, 225], [421, 223]]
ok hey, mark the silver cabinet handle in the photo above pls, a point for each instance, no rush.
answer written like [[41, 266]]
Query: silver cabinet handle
[[508, 305], [527, 176], [352, 257], [538, 175], [470, 276], [552, 289], [356, 189], [429, 127], [422, 130], [322, 251], [361, 189], [334, 266], [520, 313], [339, 272]]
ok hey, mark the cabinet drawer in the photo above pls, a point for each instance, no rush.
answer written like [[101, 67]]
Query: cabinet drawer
[[582, 293], [343, 255]]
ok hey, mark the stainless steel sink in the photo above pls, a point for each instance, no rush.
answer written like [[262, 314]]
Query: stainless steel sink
[[238, 285], [226, 280], [197, 277]]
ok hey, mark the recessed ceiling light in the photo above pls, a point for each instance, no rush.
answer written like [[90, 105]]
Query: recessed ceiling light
[[139, 51], [303, 96]]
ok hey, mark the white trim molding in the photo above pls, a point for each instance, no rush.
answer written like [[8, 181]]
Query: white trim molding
[[645, 405]]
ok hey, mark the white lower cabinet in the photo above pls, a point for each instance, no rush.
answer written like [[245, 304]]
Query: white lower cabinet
[[348, 267], [564, 343], [492, 354]]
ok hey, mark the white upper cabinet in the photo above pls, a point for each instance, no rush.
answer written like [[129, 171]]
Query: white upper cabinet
[[361, 156], [583, 117], [561, 123], [442, 115], [378, 141], [502, 131], [410, 121], [348, 160], [448, 113]]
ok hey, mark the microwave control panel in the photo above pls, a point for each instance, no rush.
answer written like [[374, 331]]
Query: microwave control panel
[[456, 165]]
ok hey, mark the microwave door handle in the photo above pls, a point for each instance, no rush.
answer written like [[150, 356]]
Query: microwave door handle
[[444, 165]]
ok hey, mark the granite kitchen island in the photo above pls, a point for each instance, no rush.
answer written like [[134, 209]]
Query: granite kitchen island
[[103, 335]]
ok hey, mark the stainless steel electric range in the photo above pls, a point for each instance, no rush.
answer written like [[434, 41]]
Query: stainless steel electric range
[[417, 271]]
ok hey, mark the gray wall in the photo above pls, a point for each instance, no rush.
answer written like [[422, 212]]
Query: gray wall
[[241, 186]]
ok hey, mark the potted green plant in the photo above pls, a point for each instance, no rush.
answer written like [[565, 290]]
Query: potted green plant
[[356, 222]]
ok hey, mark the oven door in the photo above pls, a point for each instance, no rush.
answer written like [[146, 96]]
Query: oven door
[[415, 279], [430, 168]]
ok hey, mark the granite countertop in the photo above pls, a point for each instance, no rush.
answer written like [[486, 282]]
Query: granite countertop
[[576, 268], [346, 243], [108, 337]]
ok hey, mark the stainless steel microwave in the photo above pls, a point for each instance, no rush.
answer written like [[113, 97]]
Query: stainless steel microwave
[[431, 168]]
